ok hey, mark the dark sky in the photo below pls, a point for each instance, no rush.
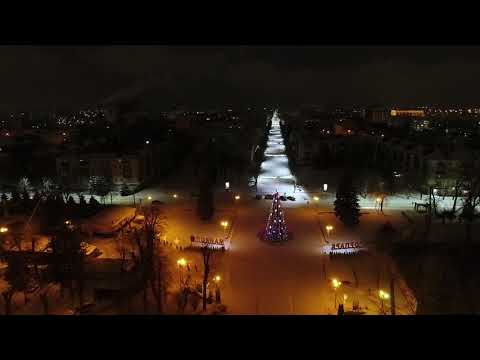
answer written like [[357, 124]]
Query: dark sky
[[72, 76]]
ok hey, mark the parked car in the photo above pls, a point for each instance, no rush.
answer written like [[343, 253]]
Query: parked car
[[291, 198], [157, 203], [269, 197], [282, 198]]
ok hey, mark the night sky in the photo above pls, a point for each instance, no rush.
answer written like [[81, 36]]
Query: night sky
[[44, 76]]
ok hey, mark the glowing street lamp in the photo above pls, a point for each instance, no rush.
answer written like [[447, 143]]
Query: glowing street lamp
[[217, 279], [329, 228], [3, 230], [316, 198], [175, 196], [224, 224], [237, 197], [182, 262], [383, 296], [149, 198], [336, 284]]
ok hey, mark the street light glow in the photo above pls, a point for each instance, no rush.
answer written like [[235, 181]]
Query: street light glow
[[175, 196], [379, 199], [383, 295], [316, 198], [3, 229], [224, 223], [182, 262], [336, 284], [149, 198], [237, 197], [217, 278]]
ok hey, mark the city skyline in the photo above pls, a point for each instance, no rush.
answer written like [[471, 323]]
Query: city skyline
[[39, 77]]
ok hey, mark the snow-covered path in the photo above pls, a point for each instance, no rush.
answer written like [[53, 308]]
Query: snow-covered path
[[275, 174]]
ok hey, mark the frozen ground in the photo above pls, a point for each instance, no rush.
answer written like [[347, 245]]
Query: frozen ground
[[292, 278]]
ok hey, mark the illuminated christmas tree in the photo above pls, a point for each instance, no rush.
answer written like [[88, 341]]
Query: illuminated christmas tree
[[276, 229]]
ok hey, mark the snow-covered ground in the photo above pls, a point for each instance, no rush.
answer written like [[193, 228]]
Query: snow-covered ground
[[275, 174], [292, 278]]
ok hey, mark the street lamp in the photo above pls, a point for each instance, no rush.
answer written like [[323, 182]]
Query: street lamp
[[175, 196], [217, 279], [3, 230], [329, 228], [316, 198], [383, 296], [224, 224], [237, 197], [336, 284], [181, 263]]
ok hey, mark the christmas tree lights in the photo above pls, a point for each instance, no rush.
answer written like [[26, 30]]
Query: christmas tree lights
[[276, 230]]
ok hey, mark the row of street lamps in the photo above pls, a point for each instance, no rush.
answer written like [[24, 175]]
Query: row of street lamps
[[383, 295]]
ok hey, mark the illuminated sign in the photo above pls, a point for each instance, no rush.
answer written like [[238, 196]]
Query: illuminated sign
[[348, 245], [409, 113], [200, 241]]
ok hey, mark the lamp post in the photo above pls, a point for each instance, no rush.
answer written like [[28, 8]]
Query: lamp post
[[383, 296], [329, 228], [181, 263], [224, 224], [378, 201], [336, 284], [217, 280]]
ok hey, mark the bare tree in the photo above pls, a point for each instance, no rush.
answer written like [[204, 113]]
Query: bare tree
[[23, 185], [7, 298], [148, 255], [470, 203], [207, 255]]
